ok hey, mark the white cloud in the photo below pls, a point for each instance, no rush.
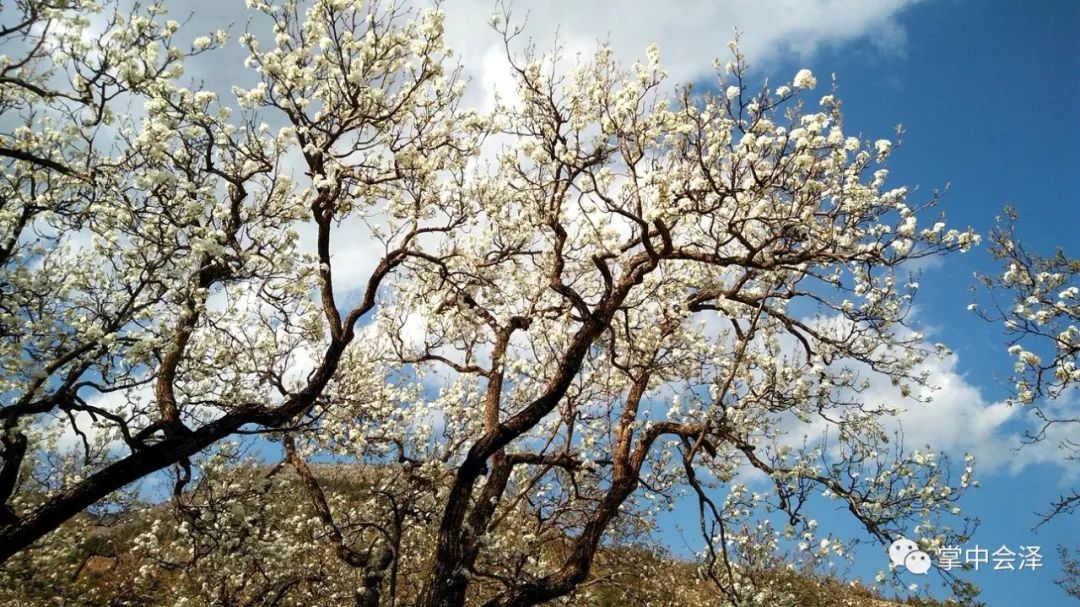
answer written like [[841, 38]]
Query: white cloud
[[951, 414], [690, 34], [958, 419]]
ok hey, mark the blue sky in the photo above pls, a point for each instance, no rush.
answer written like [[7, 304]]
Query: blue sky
[[987, 93]]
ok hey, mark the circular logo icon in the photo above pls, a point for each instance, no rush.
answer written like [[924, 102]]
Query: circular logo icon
[[900, 549], [917, 562]]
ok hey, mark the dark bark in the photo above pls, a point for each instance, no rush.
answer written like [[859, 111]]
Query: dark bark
[[14, 450], [447, 581], [575, 568], [172, 448]]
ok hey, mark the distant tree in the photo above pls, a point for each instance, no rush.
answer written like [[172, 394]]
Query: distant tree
[[1037, 300], [1070, 573], [606, 292]]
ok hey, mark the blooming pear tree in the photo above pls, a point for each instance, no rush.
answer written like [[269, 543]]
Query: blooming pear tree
[[157, 285], [652, 287], [608, 293]]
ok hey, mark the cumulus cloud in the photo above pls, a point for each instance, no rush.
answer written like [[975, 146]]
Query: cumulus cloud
[[957, 419], [690, 34], [953, 415]]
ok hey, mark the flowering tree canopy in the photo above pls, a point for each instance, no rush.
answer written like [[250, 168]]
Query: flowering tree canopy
[[605, 293]]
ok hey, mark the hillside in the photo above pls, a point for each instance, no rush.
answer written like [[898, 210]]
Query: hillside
[[141, 557]]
